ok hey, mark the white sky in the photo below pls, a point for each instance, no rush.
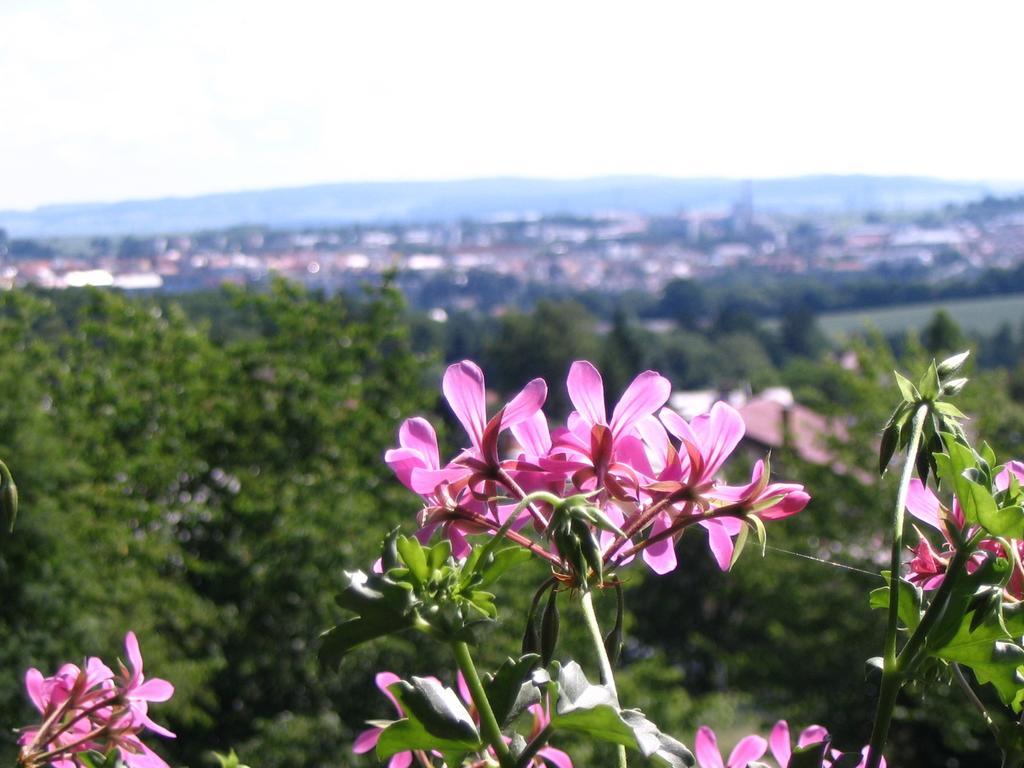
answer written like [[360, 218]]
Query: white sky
[[119, 99]]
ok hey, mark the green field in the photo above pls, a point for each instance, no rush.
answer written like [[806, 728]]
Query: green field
[[983, 315]]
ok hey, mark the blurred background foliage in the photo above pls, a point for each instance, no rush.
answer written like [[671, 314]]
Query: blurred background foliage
[[202, 469]]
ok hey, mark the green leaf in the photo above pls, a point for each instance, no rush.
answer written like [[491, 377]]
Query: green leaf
[[975, 500], [407, 734], [910, 601], [383, 606], [510, 690], [437, 708], [1006, 522], [501, 561], [414, 558], [810, 756], [908, 390], [993, 655], [929, 383], [948, 409], [593, 710], [438, 555]]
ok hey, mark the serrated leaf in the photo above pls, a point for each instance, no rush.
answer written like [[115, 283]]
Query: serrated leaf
[[593, 710], [511, 690], [1005, 522], [437, 708], [992, 655]]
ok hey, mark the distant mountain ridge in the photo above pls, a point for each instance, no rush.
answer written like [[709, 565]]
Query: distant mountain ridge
[[420, 201]]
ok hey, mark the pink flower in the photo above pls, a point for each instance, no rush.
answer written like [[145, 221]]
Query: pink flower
[[592, 445], [545, 755], [138, 692], [781, 745], [368, 739], [747, 751], [772, 501], [94, 710]]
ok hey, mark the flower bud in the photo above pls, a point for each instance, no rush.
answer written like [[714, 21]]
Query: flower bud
[[952, 364], [953, 387], [8, 497]]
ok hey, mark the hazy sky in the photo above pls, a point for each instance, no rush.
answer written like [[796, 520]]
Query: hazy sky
[[117, 99]]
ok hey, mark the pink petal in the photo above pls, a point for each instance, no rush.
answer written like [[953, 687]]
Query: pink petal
[[131, 646], [706, 749], [154, 690], [556, 757], [138, 755], [401, 760], [463, 387], [661, 556], [385, 679], [748, 750], [425, 481], [586, 391], [418, 434], [36, 687], [524, 405], [1016, 468], [794, 498], [718, 432], [533, 435], [460, 684], [923, 504], [97, 672], [645, 395], [778, 741], [367, 740], [812, 734], [403, 461], [720, 543], [156, 727]]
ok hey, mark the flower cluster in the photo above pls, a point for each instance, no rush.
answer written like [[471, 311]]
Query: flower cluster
[[929, 564], [646, 472], [92, 709], [779, 744]]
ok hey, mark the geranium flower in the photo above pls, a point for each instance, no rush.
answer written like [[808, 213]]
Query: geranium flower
[[748, 750]]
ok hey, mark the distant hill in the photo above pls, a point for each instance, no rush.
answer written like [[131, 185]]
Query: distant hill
[[383, 202]]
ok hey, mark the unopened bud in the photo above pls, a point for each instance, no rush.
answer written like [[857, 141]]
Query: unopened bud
[[952, 364], [953, 387], [8, 497]]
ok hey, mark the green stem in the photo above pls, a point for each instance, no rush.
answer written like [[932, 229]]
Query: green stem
[[892, 679], [488, 723], [607, 675], [534, 747]]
